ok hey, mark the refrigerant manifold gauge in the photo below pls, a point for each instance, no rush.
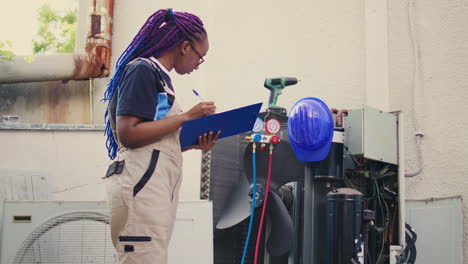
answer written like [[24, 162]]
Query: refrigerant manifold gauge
[[258, 126], [272, 126]]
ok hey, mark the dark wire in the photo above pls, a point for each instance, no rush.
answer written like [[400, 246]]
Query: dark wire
[[367, 254], [382, 230], [354, 158], [356, 161], [409, 253], [352, 185]]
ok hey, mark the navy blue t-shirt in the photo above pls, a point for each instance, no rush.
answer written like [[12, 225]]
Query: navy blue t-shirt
[[138, 90]]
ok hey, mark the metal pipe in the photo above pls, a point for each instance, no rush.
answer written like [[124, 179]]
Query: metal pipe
[[339, 117], [43, 68], [401, 181], [91, 102], [92, 62]]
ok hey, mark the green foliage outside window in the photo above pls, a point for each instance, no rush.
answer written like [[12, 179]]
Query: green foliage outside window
[[56, 33], [5, 53]]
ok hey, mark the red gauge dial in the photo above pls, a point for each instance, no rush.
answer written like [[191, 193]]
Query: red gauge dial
[[272, 126]]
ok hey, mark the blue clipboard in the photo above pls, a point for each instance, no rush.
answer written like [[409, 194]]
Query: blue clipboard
[[230, 123]]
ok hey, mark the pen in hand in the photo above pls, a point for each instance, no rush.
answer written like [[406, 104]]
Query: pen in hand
[[195, 92], [203, 101]]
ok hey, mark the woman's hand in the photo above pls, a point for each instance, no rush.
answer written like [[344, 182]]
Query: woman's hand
[[201, 109], [207, 141]]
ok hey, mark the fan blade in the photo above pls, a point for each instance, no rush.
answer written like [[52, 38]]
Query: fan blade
[[281, 236], [237, 207], [285, 166]]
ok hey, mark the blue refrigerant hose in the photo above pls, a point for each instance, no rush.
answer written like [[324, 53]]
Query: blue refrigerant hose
[[254, 167]]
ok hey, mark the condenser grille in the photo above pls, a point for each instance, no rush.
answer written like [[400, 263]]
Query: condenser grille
[[71, 238]]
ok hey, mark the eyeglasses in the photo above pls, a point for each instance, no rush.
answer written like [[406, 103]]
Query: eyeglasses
[[200, 57]]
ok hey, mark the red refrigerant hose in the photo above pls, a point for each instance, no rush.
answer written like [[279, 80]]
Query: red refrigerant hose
[[267, 189]]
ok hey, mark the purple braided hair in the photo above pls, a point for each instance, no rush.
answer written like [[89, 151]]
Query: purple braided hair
[[162, 31]]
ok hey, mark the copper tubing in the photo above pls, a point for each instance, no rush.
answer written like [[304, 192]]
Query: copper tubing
[[339, 117]]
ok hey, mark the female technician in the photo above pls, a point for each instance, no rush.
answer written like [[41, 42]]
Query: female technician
[[143, 124]]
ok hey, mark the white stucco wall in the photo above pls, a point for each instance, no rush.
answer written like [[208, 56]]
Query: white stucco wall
[[72, 163], [337, 51], [321, 43], [440, 87]]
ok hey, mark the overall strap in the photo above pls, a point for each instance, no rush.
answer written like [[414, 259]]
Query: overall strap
[[155, 66], [152, 60]]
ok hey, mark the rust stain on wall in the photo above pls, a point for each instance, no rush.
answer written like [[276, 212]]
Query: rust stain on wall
[[69, 105], [52, 102], [58, 108]]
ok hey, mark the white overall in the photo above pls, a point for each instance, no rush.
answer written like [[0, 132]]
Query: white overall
[[143, 199]]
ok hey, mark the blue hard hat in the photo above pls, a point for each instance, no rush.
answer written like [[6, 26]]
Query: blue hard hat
[[310, 129]]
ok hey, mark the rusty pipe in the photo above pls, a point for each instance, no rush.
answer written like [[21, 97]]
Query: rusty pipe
[[92, 62], [96, 62]]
